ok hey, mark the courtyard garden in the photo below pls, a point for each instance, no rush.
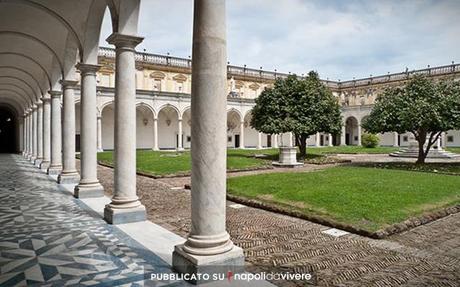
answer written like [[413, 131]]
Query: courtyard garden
[[362, 197]]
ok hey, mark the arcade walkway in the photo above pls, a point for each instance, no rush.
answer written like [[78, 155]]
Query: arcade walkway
[[48, 236]]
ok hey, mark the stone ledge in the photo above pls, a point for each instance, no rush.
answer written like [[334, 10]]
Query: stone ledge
[[379, 234]]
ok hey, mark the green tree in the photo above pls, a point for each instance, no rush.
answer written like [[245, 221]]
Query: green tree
[[422, 107], [301, 106]]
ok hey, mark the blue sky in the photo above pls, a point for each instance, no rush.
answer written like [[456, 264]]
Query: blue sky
[[340, 39]]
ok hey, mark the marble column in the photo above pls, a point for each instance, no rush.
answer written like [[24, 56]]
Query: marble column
[[329, 136], [208, 242], [291, 140], [26, 134], [99, 134], [31, 135], [125, 205], [317, 140], [180, 146], [89, 185], [39, 158], [395, 139], [21, 131], [155, 134], [69, 174], [34, 134], [343, 136], [275, 140], [359, 134], [242, 146], [444, 139], [259, 141], [46, 99], [55, 167]]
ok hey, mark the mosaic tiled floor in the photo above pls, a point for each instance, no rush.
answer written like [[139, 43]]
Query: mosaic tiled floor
[[48, 238]]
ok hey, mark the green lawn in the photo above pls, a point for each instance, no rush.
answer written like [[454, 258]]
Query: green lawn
[[169, 162], [446, 168], [366, 198], [453, 149], [165, 162]]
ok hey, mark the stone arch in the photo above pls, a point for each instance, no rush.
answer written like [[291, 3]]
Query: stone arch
[[145, 116], [234, 119], [168, 122], [107, 125], [351, 130], [186, 127]]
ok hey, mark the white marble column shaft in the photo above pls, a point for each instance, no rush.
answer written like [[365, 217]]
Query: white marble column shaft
[[343, 135], [34, 133], [395, 139], [180, 146], [56, 136], [46, 132], [125, 205], [69, 174], [208, 235], [317, 140], [99, 133], [242, 146], [275, 140], [39, 133], [330, 139], [89, 185], [155, 134], [259, 141], [359, 134]]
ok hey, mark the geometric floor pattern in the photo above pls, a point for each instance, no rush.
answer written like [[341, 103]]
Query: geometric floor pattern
[[48, 238]]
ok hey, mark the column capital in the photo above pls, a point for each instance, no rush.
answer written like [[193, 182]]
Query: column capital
[[34, 107], [39, 104], [55, 94], [46, 99], [67, 84], [124, 41], [87, 68]]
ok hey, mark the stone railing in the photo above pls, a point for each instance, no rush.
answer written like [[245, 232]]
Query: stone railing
[[163, 60], [435, 71]]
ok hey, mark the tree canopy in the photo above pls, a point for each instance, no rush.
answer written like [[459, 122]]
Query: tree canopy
[[301, 106], [423, 107]]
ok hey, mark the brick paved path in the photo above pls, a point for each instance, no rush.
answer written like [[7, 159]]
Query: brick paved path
[[425, 256]]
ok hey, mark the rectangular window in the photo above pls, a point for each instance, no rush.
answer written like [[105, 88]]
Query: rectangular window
[[405, 139], [229, 139], [189, 138], [450, 139]]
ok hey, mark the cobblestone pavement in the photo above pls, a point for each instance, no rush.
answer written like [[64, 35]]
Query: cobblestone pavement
[[425, 256], [48, 238]]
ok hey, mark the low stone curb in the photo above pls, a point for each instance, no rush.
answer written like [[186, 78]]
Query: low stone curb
[[379, 234], [185, 174]]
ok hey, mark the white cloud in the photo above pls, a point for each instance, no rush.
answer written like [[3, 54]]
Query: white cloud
[[339, 39]]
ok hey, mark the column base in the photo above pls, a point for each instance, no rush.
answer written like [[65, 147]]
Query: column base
[[88, 190], [69, 178], [124, 215], [54, 170], [180, 149], [38, 161], [44, 165], [185, 263], [100, 150], [32, 159]]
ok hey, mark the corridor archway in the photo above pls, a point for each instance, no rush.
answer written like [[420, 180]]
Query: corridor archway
[[351, 131], [8, 131]]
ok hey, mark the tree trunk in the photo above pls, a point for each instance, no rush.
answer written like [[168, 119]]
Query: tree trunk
[[302, 146], [421, 153]]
